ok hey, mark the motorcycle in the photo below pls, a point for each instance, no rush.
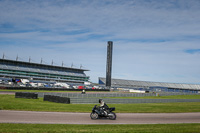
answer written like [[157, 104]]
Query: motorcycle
[[98, 112]]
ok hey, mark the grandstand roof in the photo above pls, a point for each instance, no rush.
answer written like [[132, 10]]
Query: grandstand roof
[[40, 65], [135, 83]]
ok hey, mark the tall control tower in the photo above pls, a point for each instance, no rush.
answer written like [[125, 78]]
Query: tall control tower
[[109, 64]]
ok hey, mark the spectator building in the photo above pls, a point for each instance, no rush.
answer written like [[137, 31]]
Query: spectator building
[[152, 86], [11, 69]]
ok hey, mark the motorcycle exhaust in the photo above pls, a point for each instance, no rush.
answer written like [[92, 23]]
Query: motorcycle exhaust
[[110, 115]]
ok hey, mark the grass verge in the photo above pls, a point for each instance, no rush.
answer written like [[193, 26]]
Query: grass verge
[[9, 102], [138, 128]]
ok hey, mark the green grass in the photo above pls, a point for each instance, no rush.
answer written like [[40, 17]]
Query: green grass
[[9, 102], [137, 128]]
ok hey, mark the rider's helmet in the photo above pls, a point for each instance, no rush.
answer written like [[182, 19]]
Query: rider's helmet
[[100, 100]]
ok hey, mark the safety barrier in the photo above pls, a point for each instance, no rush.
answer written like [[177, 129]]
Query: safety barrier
[[56, 99], [26, 95]]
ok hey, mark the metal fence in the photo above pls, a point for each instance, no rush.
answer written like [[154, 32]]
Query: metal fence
[[94, 95], [126, 101], [104, 95], [175, 93]]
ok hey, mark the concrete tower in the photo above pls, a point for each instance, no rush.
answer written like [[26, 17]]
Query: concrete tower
[[109, 64]]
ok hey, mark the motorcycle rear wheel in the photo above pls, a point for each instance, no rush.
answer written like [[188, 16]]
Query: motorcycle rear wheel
[[113, 116], [94, 116]]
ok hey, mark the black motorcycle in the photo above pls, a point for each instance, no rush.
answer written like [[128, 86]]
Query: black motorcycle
[[98, 112]]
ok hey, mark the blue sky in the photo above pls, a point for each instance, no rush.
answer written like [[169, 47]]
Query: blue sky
[[154, 40]]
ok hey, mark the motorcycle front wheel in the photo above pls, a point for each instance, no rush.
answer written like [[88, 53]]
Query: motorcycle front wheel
[[112, 116], [94, 116]]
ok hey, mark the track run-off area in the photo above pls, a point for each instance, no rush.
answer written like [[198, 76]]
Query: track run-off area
[[34, 117]]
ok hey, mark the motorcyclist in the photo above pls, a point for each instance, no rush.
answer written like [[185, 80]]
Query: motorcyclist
[[103, 107]]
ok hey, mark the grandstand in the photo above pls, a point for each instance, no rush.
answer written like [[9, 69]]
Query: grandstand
[[10, 69], [152, 86]]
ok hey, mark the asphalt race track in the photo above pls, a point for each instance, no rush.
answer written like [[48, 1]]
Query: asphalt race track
[[84, 118]]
